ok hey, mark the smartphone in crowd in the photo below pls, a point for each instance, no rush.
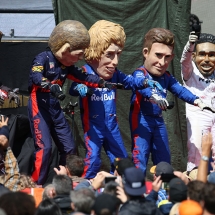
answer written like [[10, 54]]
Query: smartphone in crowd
[[167, 177], [111, 178]]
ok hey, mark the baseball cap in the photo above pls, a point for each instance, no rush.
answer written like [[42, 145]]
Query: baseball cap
[[177, 190], [162, 167], [105, 202], [134, 181], [188, 207], [121, 164], [192, 175]]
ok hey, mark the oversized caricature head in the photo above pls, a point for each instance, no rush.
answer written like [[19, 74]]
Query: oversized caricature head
[[158, 46], [68, 41], [107, 40], [204, 55]]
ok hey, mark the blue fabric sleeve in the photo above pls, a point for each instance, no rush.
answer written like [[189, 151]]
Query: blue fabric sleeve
[[147, 92], [181, 92], [72, 91], [131, 82]]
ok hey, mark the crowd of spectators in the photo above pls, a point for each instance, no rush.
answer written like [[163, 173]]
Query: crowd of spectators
[[126, 192]]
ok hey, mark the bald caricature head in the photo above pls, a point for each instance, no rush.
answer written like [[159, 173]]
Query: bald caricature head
[[68, 41]]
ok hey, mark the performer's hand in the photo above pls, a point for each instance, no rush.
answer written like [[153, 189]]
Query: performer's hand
[[203, 106], [193, 37], [57, 92], [161, 102], [14, 95], [82, 90], [109, 85], [153, 84]]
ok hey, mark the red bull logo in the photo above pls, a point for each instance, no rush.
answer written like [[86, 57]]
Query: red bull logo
[[37, 133]]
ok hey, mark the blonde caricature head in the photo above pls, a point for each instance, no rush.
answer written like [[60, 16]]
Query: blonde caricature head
[[70, 32], [102, 34]]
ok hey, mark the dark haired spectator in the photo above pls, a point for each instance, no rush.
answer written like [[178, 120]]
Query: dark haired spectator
[[17, 203], [208, 198], [48, 207], [105, 204], [121, 164], [74, 169], [194, 189]]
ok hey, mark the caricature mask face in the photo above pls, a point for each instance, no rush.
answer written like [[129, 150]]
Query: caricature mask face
[[204, 58], [158, 58], [67, 57], [68, 41], [106, 66]]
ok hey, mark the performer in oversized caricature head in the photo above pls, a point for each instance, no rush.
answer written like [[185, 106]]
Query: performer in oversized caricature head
[[68, 41]]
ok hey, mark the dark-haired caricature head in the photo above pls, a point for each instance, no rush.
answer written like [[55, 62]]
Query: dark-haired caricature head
[[158, 46], [204, 54]]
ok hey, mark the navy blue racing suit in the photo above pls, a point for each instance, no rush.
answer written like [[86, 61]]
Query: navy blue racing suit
[[148, 130], [46, 117], [99, 120]]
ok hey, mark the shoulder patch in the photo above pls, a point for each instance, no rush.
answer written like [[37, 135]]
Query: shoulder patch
[[37, 68]]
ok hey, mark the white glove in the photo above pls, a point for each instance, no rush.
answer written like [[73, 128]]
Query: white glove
[[203, 106], [161, 102], [200, 104], [192, 37]]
